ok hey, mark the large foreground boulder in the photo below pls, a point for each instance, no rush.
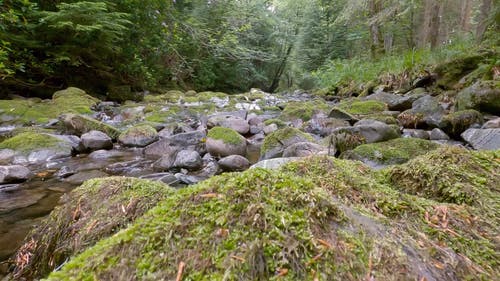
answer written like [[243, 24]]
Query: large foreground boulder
[[95, 210], [317, 218]]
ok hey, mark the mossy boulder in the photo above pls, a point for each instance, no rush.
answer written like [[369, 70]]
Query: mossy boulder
[[138, 136], [482, 96], [36, 111], [459, 121], [223, 142], [37, 147], [317, 218], [247, 226], [396, 151], [96, 210], [79, 124], [450, 72], [366, 107], [276, 142], [303, 110]]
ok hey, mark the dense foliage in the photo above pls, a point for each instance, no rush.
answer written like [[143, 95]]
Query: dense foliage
[[228, 45]]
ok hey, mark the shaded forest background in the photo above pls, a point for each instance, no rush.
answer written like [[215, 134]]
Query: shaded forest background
[[228, 45]]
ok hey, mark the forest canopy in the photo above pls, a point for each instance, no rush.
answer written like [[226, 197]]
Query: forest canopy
[[227, 45]]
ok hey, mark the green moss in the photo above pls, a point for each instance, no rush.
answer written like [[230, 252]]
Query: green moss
[[27, 142], [80, 124], [320, 217], [162, 114], [362, 107], [387, 119], [278, 123], [459, 121], [226, 135], [26, 111], [235, 226], [303, 110], [395, 151], [282, 136], [95, 210]]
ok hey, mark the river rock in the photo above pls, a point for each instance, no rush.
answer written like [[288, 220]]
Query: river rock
[[416, 133], [492, 124], [223, 142], [95, 140], [342, 115], [394, 102], [438, 134], [275, 144], [482, 95], [303, 149], [234, 163], [7, 155], [425, 112], [275, 163], [82, 176], [482, 139], [138, 136], [188, 159], [238, 124], [372, 130], [324, 126], [14, 173], [457, 122], [80, 124]]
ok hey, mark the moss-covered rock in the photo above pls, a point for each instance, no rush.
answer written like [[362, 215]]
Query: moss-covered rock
[[80, 124], [225, 141], [459, 121], [450, 72], [319, 218], [28, 142], [366, 107], [390, 152], [278, 123], [482, 96], [249, 226], [29, 111], [275, 143], [139, 136], [93, 211], [303, 110]]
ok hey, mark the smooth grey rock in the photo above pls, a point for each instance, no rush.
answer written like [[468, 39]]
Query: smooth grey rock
[[95, 140], [14, 173], [238, 124], [44, 155], [188, 159], [105, 154], [190, 140], [167, 178], [188, 179], [483, 139], [270, 128], [275, 163], [7, 155], [234, 163], [394, 102], [492, 124], [138, 136], [74, 141], [438, 134], [416, 133], [425, 112], [324, 126], [166, 161], [219, 148], [303, 149], [371, 130], [82, 176], [342, 115], [65, 172]]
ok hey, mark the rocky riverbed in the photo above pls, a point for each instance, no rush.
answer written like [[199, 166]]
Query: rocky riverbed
[[51, 146]]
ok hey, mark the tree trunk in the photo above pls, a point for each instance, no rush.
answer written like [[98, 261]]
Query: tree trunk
[[483, 19], [376, 38], [430, 29], [465, 15]]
